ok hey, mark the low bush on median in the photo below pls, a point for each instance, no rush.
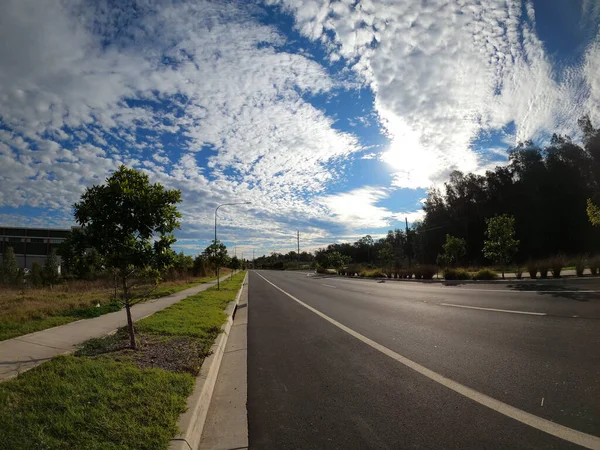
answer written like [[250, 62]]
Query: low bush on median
[[556, 265], [456, 274], [485, 274], [109, 397], [425, 272]]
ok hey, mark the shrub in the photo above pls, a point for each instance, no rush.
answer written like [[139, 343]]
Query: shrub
[[321, 270], [519, 273], [556, 264], [375, 274], [532, 269], [579, 264], [594, 265], [544, 267], [456, 274], [485, 274], [417, 273], [427, 272], [405, 273], [354, 269]]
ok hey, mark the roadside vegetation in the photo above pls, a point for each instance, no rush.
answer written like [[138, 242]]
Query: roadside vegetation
[[119, 256], [28, 309], [533, 217], [108, 396]]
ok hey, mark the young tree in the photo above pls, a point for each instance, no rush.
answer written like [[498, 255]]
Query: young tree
[[9, 271], [130, 222], [386, 255], [37, 278], [235, 263], [336, 260], [454, 249], [217, 256], [50, 271], [500, 245], [79, 258], [182, 264], [201, 265]]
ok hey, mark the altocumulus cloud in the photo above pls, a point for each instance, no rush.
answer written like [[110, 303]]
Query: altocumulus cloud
[[446, 71], [212, 98]]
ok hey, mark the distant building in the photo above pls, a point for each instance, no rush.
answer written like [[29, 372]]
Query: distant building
[[31, 244]]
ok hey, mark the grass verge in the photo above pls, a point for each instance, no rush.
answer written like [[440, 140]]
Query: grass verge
[[109, 397], [88, 403], [27, 311]]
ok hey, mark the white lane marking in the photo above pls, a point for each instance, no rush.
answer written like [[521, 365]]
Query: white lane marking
[[495, 310], [560, 431], [328, 285], [515, 291], [542, 402]]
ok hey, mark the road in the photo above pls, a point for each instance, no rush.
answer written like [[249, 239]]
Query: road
[[339, 375]]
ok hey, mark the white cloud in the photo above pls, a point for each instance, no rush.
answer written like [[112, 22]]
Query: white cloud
[[81, 81], [358, 208], [444, 71]]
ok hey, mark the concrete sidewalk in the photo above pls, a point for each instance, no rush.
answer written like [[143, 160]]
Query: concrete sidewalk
[[226, 426], [25, 352]]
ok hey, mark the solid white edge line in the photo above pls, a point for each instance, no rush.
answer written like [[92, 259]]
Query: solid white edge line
[[495, 310], [547, 426]]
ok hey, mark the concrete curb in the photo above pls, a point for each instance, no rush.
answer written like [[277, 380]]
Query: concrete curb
[[191, 422]]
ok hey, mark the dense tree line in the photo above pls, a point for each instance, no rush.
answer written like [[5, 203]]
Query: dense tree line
[[544, 189], [281, 261], [550, 195]]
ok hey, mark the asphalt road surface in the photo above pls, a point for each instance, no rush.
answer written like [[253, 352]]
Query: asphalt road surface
[[411, 365]]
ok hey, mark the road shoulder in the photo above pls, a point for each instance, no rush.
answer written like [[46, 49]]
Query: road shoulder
[[226, 425]]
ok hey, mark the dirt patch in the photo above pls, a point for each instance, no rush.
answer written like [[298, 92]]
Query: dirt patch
[[175, 354]]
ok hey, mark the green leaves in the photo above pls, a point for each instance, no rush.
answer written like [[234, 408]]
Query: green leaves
[[130, 221], [454, 249], [593, 213], [500, 245], [336, 260], [9, 270], [217, 254]]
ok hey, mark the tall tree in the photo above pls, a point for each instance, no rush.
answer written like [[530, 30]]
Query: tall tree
[[500, 245], [130, 222]]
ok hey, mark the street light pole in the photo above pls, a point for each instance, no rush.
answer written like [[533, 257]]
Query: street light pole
[[216, 209]]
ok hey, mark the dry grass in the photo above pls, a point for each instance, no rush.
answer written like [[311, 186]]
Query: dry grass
[[24, 311]]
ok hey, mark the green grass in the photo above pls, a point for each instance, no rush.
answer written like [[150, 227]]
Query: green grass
[[31, 310], [84, 403], [103, 398], [199, 316], [9, 330]]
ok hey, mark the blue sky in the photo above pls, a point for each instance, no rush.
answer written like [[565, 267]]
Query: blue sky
[[332, 118]]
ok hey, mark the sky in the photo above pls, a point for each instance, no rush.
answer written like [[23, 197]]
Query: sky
[[333, 118]]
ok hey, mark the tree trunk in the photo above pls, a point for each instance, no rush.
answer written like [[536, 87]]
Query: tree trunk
[[130, 327], [503, 274]]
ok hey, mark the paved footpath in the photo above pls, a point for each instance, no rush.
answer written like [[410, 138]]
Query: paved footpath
[[25, 352]]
